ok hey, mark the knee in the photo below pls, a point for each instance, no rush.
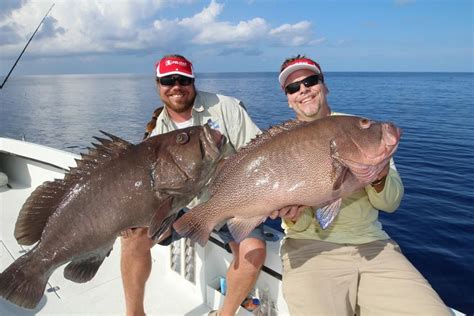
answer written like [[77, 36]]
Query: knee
[[253, 253]]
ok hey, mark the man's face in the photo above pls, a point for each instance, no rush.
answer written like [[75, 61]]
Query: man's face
[[309, 103], [177, 97]]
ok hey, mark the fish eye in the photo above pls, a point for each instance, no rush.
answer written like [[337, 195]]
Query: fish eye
[[365, 123], [182, 138]]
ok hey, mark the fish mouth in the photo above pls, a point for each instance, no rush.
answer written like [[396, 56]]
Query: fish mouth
[[391, 134], [368, 172], [212, 143], [389, 142]]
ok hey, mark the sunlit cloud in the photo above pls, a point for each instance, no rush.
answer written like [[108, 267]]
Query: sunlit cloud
[[298, 34], [84, 27]]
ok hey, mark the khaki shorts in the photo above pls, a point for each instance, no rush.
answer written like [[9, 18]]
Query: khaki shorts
[[321, 278]]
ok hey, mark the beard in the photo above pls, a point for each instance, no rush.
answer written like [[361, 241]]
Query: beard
[[179, 104], [179, 107]]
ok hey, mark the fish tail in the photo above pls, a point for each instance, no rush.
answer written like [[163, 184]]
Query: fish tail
[[195, 225], [21, 285]]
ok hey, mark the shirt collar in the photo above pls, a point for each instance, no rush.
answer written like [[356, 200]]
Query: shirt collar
[[198, 103]]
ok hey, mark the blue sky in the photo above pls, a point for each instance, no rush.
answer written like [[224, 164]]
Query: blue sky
[[128, 36]]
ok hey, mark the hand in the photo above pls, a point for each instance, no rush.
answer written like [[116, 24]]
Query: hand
[[291, 213], [384, 172], [379, 183]]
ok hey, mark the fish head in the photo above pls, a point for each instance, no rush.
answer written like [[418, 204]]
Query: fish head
[[187, 160], [364, 146]]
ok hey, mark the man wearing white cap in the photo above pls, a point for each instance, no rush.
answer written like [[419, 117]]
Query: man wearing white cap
[[352, 267], [184, 106]]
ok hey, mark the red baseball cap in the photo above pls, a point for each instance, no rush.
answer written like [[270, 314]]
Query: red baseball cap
[[297, 64], [174, 66]]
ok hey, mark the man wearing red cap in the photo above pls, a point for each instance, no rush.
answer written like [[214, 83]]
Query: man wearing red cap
[[184, 106], [352, 267]]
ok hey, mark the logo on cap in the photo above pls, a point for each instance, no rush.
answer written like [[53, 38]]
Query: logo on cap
[[298, 64], [174, 66], [176, 62]]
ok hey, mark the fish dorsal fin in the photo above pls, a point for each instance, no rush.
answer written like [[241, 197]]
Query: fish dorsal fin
[[101, 153], [268, 134], [229, 163], [36, 210], [45, 199]]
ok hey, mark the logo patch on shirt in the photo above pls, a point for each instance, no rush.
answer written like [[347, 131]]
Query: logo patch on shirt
[[213, 124]]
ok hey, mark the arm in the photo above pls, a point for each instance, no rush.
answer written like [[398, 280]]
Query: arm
[[387, 194], [297, 218]]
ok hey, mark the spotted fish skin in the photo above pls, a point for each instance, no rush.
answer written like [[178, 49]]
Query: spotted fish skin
[[297, 163]]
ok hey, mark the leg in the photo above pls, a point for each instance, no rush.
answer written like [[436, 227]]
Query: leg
[[135, 266], [319, 278], [243, 271], [391, 285]]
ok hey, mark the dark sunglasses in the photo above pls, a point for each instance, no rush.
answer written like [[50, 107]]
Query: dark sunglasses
[[308, 82], [172, 79]]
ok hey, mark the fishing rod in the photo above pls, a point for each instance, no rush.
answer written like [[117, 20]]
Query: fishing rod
[[18, 59]]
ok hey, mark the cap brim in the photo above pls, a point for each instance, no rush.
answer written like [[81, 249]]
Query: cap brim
[[292, 68], [175, 73]]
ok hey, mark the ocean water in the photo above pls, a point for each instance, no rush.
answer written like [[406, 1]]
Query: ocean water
[[434, 224]]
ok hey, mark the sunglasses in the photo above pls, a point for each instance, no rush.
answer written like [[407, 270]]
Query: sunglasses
[[172, 79], [308, 82]]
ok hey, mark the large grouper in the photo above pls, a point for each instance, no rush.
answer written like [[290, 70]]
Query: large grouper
[[297, 163], [115, 186]]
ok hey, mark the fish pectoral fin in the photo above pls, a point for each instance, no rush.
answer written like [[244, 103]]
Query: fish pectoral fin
[[339, 171], [339, 174], [240, 227], [326, 214], [164, 230], [157, 224], [83, 270]]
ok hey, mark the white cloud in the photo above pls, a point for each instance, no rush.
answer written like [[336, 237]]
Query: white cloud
[[225, 32], [83, 27], [298, 34]]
